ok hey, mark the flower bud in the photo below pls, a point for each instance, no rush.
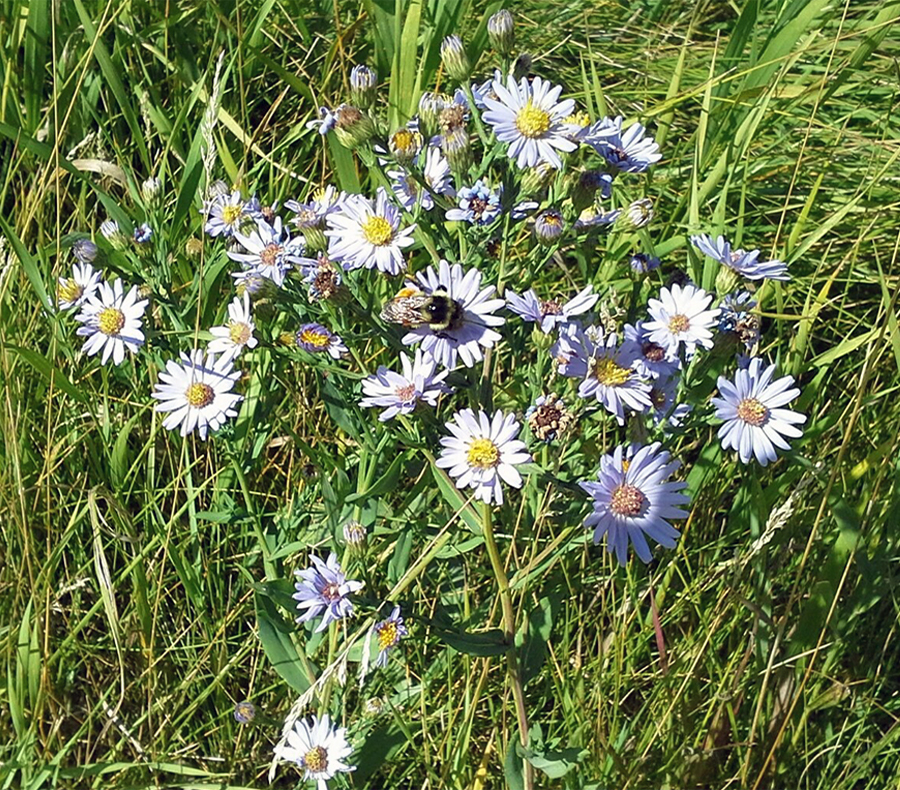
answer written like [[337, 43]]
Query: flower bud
[[455, 60], [150, 191], [457, 149], [639, 214], [726, 280], [405, 144], [536, 179], [548, 226], [193, 247], [501, 33], [85, 251], [522, 66], [352, 126], [111, 232], [586, 187], [430, 107], [363, 84], [355, 535]]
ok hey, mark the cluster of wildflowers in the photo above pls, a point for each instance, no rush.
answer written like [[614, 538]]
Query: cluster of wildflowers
[[488, 200]]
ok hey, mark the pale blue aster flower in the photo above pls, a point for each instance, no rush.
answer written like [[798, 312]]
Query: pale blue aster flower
[[550, 314], [572, 351], [680, 317], [317, 339], [388, 634], [652, 359], [628, 152], [143, 233], [478, 205], [325, 122], [612, 378], [746, 264], [323, 591], [752, 408], [642, 263], [268, 250], [400, 393], [633, 501]]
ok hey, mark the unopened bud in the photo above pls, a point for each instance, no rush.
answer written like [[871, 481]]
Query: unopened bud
[[85, 251], [352, 126], [501, 32], [457, 149], [455, 60], [363, 84], [150, 191], [548, 226]]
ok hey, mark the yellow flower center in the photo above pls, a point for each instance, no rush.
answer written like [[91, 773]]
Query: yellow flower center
[[580, 118], [110, 321], [199, 395], [231, 214], [483, 454], [532, 121], [316, 759], [314, 338], [377, 230], [387, 635], [626, 500], [608, 373], [269, 254], [752, 412], [679, 323], [239, 333], [404, 141], [68, 291]]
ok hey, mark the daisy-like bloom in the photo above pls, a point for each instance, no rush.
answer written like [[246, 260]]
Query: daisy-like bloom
[[478, 204], [76, 290], [572, 350], [662, 396], [112, 322], [641, 263], [680, 316], [197, 393], [389, 632], [227, 212], [269, 250], [613, 380], [548, 418], [237, 334], [482, 452], [592, 218], [630, 152], [367, 234], [316, 339], [746, 264], [323, 590], [311, 216], [400, 393], [436, 174], [469, 316], [550, 314], [752, 408], [632, 501], [318, 747], [143, 233], [653, 361], [530, 117], [405, 144]]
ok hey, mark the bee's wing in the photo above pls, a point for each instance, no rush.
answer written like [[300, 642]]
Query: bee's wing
[[406, 310]]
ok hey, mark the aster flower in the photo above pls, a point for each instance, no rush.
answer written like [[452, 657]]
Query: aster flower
[[662, 395], [227, 213], [483, 451], [550, 314], [112, 322], [367, 234], [467, 330], [316, 339], [737, 318], [641, 263], [318, 747], [652, 359], [323, 590], [478, 204], [76, 290], [143, 233], [592, 218], [632, 501], [752, 408], [324, 123], [680, 316], [84, 250], [436, 175], [354, 534], [237, 334], [613, 380], [197, 393], [572, 351], [640, 213], [530, 117], [269, 250], [746, 264], [400, 393], [630, 152], [388, 632]]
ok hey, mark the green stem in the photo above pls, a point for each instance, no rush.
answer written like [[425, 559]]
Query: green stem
[[509, 628]]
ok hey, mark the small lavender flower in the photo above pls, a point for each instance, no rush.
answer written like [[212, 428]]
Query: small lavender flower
[[681, 316], [324, 123], [613, 380], [642, 263], [478, 204], [143, 233], [653, 360], [628, 152], [550, 314], [662, 395], [389, 632], [316, 339], [746, 264], [323, 591], [84, 250], [400, 393]]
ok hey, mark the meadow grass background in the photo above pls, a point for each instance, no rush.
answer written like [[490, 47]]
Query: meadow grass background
[[128, 623]]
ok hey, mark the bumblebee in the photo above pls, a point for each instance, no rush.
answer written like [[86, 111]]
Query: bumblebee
[[413, 307]]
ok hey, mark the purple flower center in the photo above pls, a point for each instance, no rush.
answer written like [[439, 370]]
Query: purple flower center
[[653, 352], [332, 592], [752, 412]]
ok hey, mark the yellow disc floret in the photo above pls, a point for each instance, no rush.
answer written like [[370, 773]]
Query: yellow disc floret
[[532, 121], [199, 395], [231, 214], [388, 635], [608, 373], [483, 454], [679, 323], [110, 321], [316, 759], [752, 412], [68, 291], [377, 230], [239, 333]]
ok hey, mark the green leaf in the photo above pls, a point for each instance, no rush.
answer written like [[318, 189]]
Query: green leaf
[[454, 498], [475, 643], [29, 264], [556, 762], [48, 371], [274, 634], [535, 635]]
